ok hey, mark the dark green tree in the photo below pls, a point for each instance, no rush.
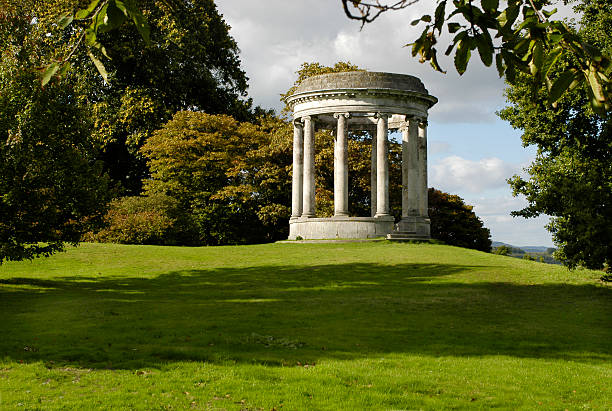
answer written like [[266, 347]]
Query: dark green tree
[[455, 222], [51, 190], [191, 63], [571, 177]]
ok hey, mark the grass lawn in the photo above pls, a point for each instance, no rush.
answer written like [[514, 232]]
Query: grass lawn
[[351, 326]]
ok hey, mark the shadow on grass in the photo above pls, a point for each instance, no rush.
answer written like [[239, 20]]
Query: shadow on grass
[[281, 315]]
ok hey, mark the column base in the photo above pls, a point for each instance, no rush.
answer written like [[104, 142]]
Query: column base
[[412, 228], [341, 215]]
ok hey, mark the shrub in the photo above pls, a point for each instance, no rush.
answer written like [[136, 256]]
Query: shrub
[[153, 219]]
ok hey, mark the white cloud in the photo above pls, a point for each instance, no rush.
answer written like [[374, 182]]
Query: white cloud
[[495, 213], [455, 174], [283, 34]]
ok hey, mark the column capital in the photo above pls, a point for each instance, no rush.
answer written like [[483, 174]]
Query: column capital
[[423, 122], [305, 118], [298, 122], [415, 117], [382, 115], [345, 115]]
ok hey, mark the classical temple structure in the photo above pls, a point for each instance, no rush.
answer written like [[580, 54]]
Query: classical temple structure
[[361, 101]]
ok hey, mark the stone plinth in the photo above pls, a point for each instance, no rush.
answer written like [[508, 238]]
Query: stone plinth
[[340, 227]]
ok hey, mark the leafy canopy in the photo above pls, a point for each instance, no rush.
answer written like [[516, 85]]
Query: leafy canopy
[[571, 177], [51, 188], [519, 36]]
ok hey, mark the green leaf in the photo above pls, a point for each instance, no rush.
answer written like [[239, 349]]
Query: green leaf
[[99, 19], [122, 6], [99, 66], [560, 85], [547, 14], [114, 18], [485, 49], [490, 5], [439, 15], [141, 25], [510, 73], [595, 83], [49, 72], [550, 59], [426, 18], [462, 56], [453, 27], [64, 69], [90, 37], [64, 21], [538, 55], [511, 14], [499, 63], [83, 13], [434, 62]]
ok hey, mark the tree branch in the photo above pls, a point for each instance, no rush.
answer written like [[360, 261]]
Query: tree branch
[[370, 11]]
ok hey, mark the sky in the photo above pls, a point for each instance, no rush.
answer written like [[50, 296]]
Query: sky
[[471, 151]]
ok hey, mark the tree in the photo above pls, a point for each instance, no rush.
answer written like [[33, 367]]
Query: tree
[[191, 64], [185, 60], [455, 222], [571, 177], [231, 176], [517, 34], [51, 189], [531, 44], [502, 250]]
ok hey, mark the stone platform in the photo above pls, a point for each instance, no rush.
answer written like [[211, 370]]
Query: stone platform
[[340, 227]]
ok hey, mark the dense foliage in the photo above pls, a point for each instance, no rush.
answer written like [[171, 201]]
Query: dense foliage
[[191, 64], [571, 177], [51, 189], [232, 177], [455, 222], [51, 183], [154, 219]]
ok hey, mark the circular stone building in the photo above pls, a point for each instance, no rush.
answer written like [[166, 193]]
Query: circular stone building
[[361, 101]]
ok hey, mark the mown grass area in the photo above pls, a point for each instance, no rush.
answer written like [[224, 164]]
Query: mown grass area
[[301, 327]]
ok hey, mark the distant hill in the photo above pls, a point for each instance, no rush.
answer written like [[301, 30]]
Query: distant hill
[[526, 248], [535, 249], [540, 253]]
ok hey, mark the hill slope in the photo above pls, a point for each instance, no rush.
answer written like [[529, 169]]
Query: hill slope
[[302, 326]]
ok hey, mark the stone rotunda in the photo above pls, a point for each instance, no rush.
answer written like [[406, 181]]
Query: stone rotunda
[[361, 101]]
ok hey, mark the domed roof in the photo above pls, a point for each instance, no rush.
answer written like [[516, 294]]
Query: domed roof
[[362, 80]]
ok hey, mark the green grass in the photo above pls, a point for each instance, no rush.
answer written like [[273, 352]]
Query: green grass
[[349, 326]]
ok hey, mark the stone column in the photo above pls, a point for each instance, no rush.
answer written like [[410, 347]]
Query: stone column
[[410, 169], [341, 167], [382, 166], [373, 191], [308, 199], [298, 169], [423, 206]]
